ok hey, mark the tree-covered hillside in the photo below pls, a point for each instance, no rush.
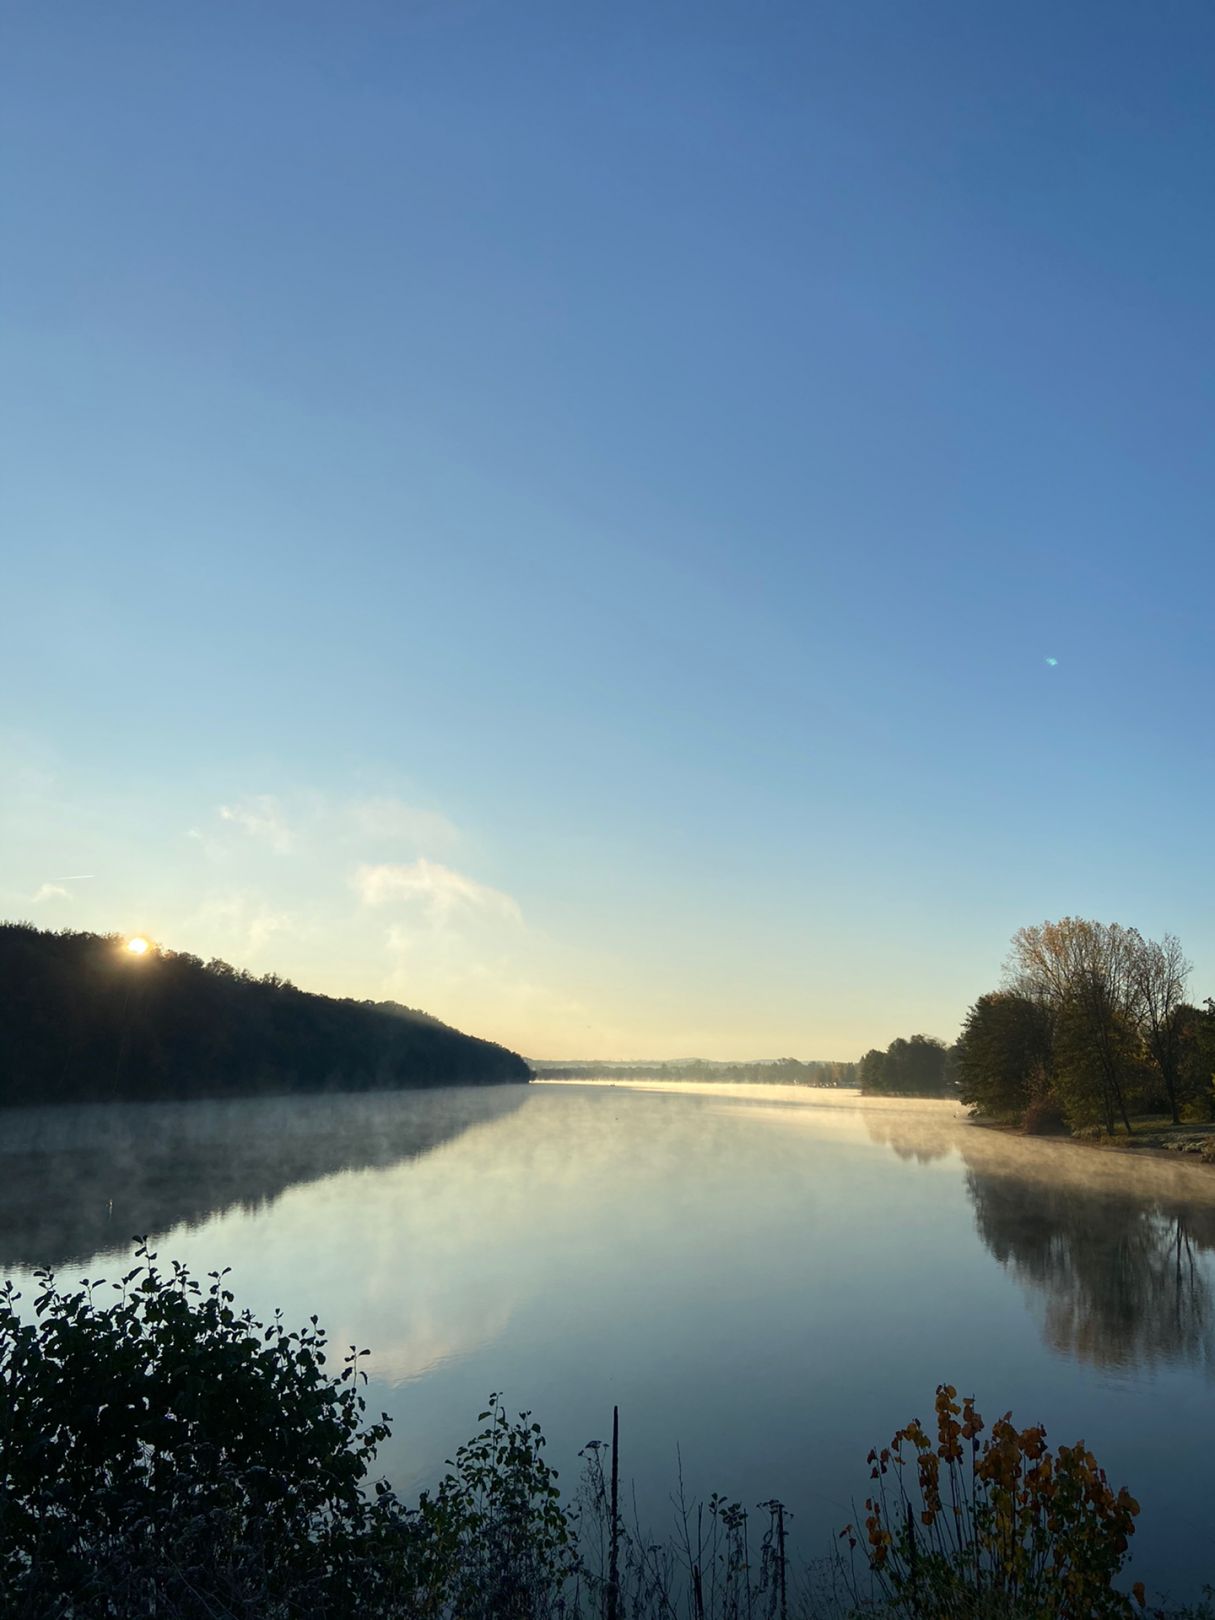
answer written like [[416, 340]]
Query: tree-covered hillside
[[83, 1018]]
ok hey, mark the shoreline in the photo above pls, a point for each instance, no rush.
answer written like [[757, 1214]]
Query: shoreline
[[1165, 1142]]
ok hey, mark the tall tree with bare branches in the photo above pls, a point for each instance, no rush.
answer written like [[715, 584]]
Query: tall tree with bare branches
[[1088, 971], [1161, 971]]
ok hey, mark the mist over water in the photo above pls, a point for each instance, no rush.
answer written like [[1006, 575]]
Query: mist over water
[[770, 1279]]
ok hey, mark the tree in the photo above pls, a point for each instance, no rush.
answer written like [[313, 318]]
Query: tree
[[871, 1071], [1088, 973], [84, 1019], [1160, 972], [1196, 1061], [1005, 1054], [913, 1067], [1099, 1069]]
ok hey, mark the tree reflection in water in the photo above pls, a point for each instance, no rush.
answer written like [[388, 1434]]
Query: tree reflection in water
[[1118, 1248], [906, 1136], [76, 1182], [1126, 1282]]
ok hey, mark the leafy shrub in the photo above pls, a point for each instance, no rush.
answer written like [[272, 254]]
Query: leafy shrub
[[997, 1527], [1044, 1117], [161, 1440], [163, 1453]]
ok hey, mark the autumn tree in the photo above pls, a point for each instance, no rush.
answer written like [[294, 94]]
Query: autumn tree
[[1089, 973]]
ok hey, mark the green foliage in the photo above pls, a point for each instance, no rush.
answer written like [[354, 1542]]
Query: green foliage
[[918, 1067], [1005, 1054], [161, 1440], [1092, 1026], [1100, 1071], [506, 1542], [1196, 1060], [163, 1453], [1092, 977], [86, 1021]]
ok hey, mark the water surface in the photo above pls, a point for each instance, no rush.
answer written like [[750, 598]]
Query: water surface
[[770, 1279]]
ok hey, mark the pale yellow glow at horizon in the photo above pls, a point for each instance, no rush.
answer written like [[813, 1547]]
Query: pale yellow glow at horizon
[[137, 946]]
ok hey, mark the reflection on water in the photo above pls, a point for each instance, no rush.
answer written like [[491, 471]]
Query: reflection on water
[[771, 1279], [79, 1182], [1116, 1248], [1123, 1282], [922, 1142]]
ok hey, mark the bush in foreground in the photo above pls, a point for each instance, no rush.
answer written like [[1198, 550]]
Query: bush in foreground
[[164, 1453], [960, 1526]]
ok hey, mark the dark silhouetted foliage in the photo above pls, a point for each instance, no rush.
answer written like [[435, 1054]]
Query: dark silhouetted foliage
[[1091, 1027], [919, 1067], [764, 1071], [165, 1453], [1005, 1055], [84, 1020]]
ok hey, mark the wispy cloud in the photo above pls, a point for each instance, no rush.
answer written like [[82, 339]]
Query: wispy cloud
[[54, 889], [314, 821], [243, 922], [262, 818], [392, 820], [438, 890]]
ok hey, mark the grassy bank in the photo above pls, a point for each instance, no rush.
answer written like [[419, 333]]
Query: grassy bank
[[1152, 1134]]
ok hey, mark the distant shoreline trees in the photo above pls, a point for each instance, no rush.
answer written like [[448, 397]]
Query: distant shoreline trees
[[82, 1019], [917, 1067], [768, 1071], [1090, 1029]]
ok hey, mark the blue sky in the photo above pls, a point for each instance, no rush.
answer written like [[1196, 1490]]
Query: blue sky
[[560, 514]]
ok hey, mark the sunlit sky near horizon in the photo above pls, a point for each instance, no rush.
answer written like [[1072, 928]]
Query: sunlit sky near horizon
[[642, 530]]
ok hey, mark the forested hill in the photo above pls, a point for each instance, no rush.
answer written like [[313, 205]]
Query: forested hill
[[82, 1018]]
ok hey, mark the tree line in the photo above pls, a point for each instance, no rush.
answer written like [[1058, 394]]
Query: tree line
[[85, 1020], [785, 1071], [920, 1066], [1091, 1028]]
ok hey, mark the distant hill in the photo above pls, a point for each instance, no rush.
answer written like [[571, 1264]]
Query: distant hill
[[764, 1071], [83, 1019]]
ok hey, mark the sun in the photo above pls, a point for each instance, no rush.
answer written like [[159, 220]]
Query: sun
[[137, 946]]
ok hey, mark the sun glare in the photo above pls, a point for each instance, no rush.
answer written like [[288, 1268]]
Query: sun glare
[[137, 946]]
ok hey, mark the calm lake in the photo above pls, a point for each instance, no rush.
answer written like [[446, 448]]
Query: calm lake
[[770, 1280]]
